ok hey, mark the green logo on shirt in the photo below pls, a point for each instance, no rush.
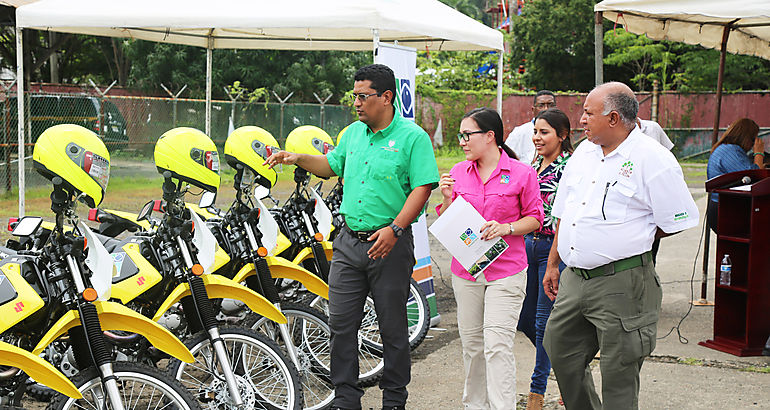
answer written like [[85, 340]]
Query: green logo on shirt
[[681, 216], [626, 169]]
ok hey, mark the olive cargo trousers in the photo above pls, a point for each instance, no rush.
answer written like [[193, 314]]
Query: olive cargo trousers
[[616, 314]]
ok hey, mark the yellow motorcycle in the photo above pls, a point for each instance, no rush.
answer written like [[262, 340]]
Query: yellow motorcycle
[[68, 275]]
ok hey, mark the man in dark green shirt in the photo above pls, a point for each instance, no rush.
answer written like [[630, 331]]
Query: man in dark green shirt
[[389, 170]]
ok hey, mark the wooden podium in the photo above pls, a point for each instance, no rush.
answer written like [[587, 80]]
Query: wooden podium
[[742, 309]]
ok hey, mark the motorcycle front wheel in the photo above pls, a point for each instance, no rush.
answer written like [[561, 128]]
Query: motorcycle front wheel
[[140, 386], [309, 333], [265, 377]]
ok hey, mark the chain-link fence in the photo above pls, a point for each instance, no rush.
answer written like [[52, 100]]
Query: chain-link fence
[[132, 125]]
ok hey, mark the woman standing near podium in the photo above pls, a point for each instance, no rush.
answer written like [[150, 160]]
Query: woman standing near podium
[[739, 149]]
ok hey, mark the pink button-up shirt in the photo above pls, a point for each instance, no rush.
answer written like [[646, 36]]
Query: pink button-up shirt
[[510, 193]]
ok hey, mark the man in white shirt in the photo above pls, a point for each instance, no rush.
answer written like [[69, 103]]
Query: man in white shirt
[[520, 139], [619, 190], [653, 130]]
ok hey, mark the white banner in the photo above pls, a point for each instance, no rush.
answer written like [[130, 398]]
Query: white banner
[[403, 62]]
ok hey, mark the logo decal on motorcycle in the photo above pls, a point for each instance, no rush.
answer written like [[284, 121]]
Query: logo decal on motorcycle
[[19, 307], [117, 260], [140, 281]]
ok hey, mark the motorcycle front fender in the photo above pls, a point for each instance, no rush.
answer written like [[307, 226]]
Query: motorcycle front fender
[[220, 287], [220, 259], [306, 253], [38, 369], [131, 217], [282, 268], [114, 316], [204, 213]]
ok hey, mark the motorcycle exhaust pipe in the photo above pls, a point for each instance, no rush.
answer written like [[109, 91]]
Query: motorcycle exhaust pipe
[[9, 372], [121, 339]]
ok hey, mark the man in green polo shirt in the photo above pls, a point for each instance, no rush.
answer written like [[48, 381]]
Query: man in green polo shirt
[[389, 170]]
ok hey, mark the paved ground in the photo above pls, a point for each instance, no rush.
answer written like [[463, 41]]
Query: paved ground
[[677, 376]]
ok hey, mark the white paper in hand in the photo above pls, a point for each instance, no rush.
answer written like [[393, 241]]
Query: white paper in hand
[[459, 230]]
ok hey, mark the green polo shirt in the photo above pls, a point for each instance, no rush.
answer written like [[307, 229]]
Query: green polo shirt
[[381, 169]]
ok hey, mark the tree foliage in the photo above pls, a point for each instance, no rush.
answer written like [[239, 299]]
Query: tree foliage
[[457, 70], [679, 66], [554, 40]]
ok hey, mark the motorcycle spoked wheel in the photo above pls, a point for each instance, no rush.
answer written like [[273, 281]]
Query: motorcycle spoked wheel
[[310, 333], [141, 387], [266, 378], [370, 361]]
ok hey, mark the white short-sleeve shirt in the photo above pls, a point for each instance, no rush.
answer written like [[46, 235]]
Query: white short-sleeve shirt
[[520, 141], [610, 206], [653, 130]]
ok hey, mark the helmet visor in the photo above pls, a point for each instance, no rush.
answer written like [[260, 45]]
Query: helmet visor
[[95, 165], [209, 159], [262, 149], [322, 146]]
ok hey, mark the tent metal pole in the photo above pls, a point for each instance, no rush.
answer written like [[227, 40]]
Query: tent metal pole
[[375, 43], [21, 121], [598, 49], [720, 80], [209, 58], [500, 62]]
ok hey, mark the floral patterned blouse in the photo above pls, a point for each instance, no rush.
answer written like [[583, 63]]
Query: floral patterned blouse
[[549, 182]]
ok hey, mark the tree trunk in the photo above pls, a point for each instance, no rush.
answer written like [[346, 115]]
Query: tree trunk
[[54, 59], [122, 64]]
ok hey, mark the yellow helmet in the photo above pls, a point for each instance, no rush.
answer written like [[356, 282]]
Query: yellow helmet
[[249, 147], [190, 156], [77, 156], [339, 136], [309, 139]]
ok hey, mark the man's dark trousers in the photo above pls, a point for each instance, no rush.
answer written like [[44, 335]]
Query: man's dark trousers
[[353, 275]]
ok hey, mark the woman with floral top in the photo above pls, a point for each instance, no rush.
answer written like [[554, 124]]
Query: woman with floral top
[[552, 142]]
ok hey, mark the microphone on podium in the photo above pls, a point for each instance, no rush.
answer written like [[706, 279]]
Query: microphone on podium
[[743, 181]]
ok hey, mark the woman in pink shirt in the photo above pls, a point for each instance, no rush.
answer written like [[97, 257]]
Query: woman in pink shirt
[[506, 193]]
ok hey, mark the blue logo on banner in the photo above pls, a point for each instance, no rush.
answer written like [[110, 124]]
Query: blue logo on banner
[[406, 99]]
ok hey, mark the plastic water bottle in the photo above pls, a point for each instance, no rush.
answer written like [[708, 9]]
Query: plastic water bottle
[[725, 271]]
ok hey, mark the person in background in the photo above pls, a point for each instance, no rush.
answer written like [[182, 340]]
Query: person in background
[[653, 130], [552, 142], [520, 139], [618, 192], [505, 192], [739, 149]]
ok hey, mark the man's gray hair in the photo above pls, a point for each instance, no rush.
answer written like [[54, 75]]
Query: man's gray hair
[[624, 104]]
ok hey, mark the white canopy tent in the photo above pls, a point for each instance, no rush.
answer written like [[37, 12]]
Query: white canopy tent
[[697, 22], [259, 24], [740, 27]]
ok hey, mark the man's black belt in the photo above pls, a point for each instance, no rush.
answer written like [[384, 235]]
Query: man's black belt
[[614, 267], [362, 236]]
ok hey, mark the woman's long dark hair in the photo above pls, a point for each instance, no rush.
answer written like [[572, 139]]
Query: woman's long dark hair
[[489, 120], [559, 121], [742, 132]]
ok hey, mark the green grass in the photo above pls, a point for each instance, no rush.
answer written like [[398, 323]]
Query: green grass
[[447, 156], [690, 361], [757, 369]]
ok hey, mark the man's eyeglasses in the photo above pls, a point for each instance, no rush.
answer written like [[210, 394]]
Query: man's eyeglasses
[[362, 96], [466, 136], [545, 105]]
